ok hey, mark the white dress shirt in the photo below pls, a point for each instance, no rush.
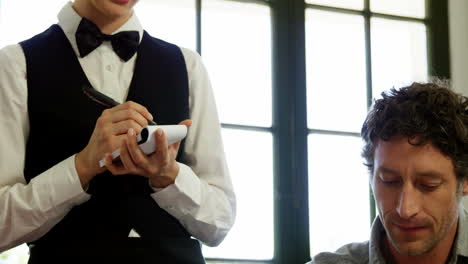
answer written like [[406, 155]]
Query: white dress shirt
[[202, 197]]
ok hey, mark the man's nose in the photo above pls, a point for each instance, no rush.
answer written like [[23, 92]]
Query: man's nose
[[408, 202]]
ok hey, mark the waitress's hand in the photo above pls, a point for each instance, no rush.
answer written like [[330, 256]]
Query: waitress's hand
[[109, 132], [161, 167]]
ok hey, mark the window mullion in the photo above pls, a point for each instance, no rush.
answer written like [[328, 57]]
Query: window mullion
[[290, 132], [367, 30], [198, 24], [438, 39]]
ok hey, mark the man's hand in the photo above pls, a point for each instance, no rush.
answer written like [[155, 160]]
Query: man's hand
[[160, 168], [109, 133]]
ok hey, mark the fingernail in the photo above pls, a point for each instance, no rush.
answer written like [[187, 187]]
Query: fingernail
[[131, 132], [159, 131], [150, 116]]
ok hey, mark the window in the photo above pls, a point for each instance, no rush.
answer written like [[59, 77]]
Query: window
[[293, 80], [236, 47], [342, 78], [14, 27]]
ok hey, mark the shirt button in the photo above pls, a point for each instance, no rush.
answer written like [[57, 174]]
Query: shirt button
[[109, 68]]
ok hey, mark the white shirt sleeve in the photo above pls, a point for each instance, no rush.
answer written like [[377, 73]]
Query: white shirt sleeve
[[27, 211], [202, 197]]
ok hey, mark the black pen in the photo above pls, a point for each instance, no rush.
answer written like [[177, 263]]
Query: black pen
[[103, 99]]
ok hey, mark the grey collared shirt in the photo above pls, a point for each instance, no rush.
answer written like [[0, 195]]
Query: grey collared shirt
[[369, 251]]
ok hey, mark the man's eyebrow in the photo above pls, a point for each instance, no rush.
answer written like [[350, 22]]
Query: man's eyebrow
[[435, 175], [387, 171]]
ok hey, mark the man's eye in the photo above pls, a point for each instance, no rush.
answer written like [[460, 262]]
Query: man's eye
[[429, 187], [389, 181]]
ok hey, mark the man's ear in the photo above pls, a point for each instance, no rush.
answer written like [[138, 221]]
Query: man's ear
[[465, 186]]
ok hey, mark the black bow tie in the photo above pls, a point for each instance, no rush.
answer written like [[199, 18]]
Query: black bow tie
[[89, 37]]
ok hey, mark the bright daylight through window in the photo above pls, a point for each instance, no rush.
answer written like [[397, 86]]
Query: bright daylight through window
[[354, 49]]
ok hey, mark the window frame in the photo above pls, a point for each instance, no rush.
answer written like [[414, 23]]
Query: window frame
[[289, 111], [289, 122]]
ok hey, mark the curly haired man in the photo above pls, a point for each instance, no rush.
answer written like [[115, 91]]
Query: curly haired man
[[416, 149]]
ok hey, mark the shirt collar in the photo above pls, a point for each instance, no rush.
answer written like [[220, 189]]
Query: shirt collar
[[460, 248], [69, 20], [462, 233], [377, 233]]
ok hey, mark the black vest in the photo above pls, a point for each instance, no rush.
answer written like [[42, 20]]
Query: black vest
[[62, 119]]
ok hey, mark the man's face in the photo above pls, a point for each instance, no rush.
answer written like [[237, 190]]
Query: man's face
[[416, 192]]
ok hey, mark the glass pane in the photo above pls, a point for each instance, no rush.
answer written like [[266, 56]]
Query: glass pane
[[399, 54], [13, 25], [336, 71], [236, 46], [251, 170], [173, 21], [338, 190], [410, 8], [352, 4]]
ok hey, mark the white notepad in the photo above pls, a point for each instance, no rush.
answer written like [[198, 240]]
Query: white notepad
[[147, 142]]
